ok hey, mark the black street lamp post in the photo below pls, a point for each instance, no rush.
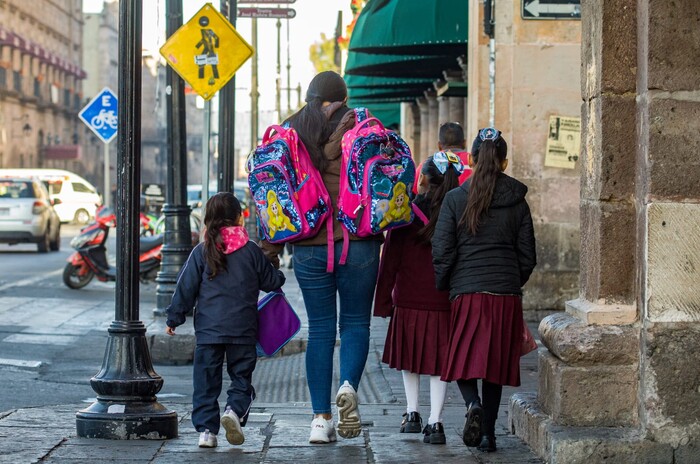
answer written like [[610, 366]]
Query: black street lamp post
[[126, 386], [227, 117], [177, 241]]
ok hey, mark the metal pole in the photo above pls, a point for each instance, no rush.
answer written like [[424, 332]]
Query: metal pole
[[289, 78], [205, 154], [126, 406], [107, 200], [227, 118], [278, 81], [254, 94], [177, 238], [490, 30]]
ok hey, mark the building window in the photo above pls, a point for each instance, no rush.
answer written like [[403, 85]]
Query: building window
[[66, 97], [37, 88], [17, 81], [3, 78]]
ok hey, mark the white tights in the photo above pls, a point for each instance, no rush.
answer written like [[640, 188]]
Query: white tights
[[438, 391]]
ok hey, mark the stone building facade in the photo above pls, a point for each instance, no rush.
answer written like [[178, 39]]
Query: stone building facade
[[41, 84], [620, 372]]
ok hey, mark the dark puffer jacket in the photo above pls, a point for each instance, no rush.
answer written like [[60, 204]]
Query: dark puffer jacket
[[500, 257]]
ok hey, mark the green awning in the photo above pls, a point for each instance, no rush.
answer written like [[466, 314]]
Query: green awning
[[404, 66], [388, 113], [387, 92], [368, 82], [412, 27]]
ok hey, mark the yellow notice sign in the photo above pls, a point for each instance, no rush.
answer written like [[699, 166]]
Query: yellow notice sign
[[206, 51], [563, 142]]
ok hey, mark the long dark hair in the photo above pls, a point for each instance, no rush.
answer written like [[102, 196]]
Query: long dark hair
[[222, 210], [487, 158], [438, 185], [310, 123]]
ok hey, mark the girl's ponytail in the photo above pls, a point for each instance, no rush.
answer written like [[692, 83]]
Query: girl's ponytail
[[439, 184], [488, 159]]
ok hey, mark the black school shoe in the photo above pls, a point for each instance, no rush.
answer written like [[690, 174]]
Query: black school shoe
[[471, 435], [434, 434], [488, 444], [412, 423]]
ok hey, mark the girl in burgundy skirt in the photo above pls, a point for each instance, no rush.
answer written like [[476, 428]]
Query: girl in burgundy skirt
[[483, 253], [416, 342]]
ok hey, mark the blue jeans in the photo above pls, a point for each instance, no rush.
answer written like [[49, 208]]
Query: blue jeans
[[354, 282]]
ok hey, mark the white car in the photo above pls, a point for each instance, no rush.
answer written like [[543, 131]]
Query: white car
[[75, 199], [26, 214]]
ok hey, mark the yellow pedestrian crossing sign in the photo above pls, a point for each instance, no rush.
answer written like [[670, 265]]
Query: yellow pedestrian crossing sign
[[206, 51]]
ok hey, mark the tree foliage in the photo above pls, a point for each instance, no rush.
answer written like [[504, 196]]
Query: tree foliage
[[322, 53]]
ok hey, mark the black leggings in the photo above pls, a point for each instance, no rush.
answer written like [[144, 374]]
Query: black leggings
[[491, 393]]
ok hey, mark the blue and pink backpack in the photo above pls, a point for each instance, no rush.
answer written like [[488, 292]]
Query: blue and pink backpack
[[376, 180], [289, 195], [377, 174]]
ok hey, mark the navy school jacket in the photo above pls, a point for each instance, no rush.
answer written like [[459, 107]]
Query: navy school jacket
[[227, 305]]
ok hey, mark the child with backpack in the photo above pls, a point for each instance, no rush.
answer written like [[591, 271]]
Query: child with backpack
[[451, 138], [416, 342], [223, 277]]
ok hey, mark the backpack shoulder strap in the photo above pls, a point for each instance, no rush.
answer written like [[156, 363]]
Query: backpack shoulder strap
[[361, 114], [420, 214]]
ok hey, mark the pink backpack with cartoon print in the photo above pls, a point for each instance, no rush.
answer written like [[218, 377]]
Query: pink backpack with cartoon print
[[376, 179], [290, 198]]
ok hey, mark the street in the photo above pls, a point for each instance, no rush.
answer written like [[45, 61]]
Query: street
[[49, 350]]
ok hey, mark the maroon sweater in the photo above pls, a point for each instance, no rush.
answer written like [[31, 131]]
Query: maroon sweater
[[406, 275]]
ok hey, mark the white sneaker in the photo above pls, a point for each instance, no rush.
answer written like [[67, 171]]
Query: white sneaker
[[322, 431], [207, 439], [349, 425], [232, 424]]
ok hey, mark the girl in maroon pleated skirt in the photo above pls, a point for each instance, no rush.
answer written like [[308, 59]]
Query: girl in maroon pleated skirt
[[416, 343], [483, 253]]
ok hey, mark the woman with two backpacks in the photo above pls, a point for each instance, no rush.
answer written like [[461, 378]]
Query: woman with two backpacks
[[321, 124]]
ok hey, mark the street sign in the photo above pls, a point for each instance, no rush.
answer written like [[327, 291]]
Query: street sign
[[100, 115], [551, 9], [267, 1], [206, 51], [283, 13]]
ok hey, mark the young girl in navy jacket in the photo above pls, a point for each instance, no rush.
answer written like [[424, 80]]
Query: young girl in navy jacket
[[223, 277], [416, 342]]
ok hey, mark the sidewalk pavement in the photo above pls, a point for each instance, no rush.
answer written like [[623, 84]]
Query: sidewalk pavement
[[276, 431]]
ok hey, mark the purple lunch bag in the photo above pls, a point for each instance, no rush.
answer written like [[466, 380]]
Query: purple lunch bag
[[277, 323]]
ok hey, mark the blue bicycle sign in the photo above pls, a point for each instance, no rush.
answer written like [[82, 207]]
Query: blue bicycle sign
[[100, 115]]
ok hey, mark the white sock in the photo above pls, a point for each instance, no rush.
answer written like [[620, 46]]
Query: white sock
[[438, 392], [411, 383]]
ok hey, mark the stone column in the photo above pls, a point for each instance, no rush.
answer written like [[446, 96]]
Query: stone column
[[410, 126], [668, 212], [462, 61], [433, 123], [619, 375], [422, 103], [456, 111], [443, 112]]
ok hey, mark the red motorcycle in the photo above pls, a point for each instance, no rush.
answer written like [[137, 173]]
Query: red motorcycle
[[90, 257]]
